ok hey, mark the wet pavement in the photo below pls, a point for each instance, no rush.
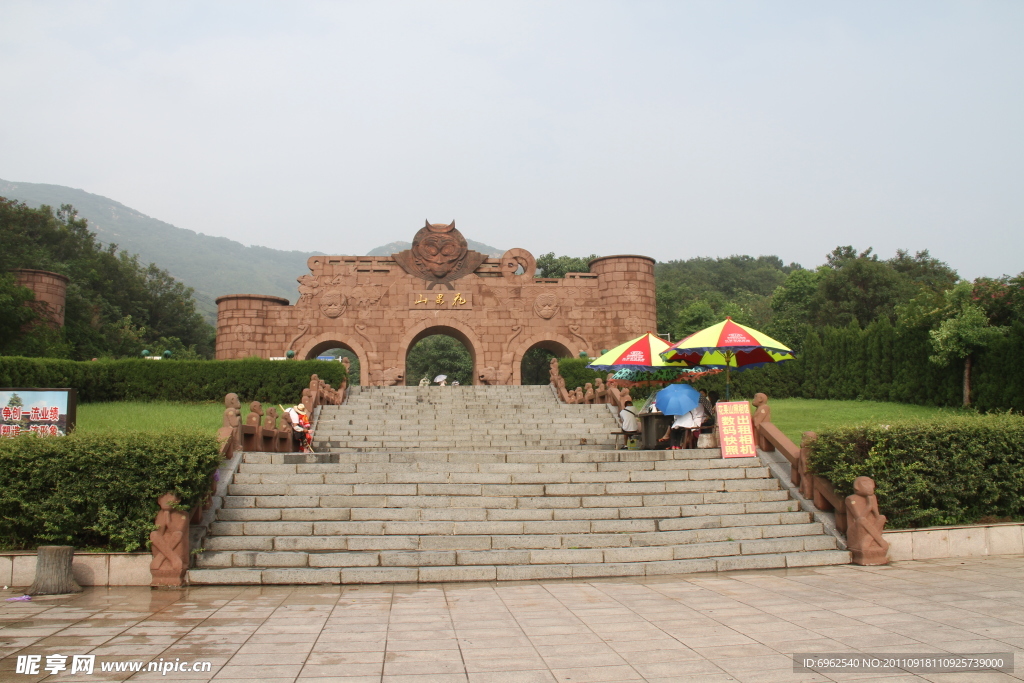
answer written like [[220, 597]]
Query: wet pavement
[[736, 626]]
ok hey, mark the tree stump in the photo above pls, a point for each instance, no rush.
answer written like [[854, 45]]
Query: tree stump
[[53, 571]]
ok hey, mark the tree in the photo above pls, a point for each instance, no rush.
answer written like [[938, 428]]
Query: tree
[[857, 288], [549, 265], [963, 333], [436, 355], [15, 314], [115, 305]]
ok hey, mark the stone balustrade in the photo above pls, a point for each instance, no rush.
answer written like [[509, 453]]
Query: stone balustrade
[[865, 537]]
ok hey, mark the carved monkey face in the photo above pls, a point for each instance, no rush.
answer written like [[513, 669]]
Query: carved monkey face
[[439, 252], [546, 305], [333, 303]]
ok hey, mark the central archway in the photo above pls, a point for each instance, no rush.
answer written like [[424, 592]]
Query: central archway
[[449, 328]]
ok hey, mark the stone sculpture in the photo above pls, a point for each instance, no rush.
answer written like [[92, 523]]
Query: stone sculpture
[[865, 525], [169, 543], [439, 254], [588, 393], [763, 413], [600, 392]]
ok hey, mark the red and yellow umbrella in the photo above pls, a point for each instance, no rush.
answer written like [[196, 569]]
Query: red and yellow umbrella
[[728, 345], [642, 353]]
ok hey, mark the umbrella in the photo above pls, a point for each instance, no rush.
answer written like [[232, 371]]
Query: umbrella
[[641, 353], [440, 378], [677, 399], [729, 345]]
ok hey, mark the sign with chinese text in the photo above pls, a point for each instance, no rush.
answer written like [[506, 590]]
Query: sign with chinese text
[[441, 301], [735, 429], [47, 412]]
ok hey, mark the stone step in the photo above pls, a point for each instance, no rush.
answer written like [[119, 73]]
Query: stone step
[[514, 541], [330, 521], [517, 572], [753, 499], [705, 517], [525, 556], [578, 457]]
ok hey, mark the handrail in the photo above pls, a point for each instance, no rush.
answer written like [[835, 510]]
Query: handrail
[[865, 540]]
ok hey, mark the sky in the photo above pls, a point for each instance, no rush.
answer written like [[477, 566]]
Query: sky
[[672, 129]]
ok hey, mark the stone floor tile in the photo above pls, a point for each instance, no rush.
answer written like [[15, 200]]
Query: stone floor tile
[[519, 676], [597, 674]]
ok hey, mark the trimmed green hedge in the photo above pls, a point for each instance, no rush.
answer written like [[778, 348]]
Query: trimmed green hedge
[[576, 373], [171, 380], [954, 470], [97, 490]]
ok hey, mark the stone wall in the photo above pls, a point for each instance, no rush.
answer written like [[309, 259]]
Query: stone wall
[[50, 290], [379, 307]]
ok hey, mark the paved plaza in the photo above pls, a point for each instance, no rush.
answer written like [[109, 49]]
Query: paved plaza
[[738, 626]]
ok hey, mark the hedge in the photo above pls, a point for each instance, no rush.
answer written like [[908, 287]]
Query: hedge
[[953, 470], [97, 490], [576, 373], [171, 380]]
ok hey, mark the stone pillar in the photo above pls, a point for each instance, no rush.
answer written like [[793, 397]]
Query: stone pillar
[[50, 290], [247, 325], [626, 291]]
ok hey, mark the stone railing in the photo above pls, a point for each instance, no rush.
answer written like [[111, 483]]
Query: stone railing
[[856, 515], [598, 392], [178, 531], [260, 431]]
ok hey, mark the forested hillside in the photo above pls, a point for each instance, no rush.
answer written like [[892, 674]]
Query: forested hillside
[[212, 266], [116, 305]]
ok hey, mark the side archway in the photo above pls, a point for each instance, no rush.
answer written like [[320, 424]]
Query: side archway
[[452, 328], [555, 343], [324, 342]]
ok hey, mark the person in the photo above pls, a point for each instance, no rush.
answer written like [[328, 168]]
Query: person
[[455, 383], [425, 382], [682, 429], [299, 417], [708, 400], [630, 425]]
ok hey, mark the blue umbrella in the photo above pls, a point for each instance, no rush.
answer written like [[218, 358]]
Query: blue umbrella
[[677, 399]]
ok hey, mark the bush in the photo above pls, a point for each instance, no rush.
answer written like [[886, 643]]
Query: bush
[[171, 380], [97, 490], [576, 373], [953, 470]]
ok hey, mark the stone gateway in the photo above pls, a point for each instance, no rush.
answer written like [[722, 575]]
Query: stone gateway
[[378, 307]]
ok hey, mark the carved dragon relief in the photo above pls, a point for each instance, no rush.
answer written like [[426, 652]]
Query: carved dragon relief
[[574, 330]]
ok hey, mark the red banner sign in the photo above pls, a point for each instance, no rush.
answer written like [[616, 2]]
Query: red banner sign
[[735, 429]]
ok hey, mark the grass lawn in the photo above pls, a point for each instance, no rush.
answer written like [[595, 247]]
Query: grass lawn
[[797, 415], [146, 416]]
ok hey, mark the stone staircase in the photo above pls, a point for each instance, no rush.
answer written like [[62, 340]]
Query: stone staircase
[[471, 418], [532, 509]]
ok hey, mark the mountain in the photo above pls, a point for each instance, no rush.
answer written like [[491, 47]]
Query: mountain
[[395, 247], [212, 266]]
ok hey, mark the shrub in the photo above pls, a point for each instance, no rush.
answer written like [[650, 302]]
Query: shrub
[[97, 490], [576, 373], [953, 470], [171, 380]]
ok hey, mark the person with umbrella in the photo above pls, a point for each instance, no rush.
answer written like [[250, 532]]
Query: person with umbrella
[[683, 403]]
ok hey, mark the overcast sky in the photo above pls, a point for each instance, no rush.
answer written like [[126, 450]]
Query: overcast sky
[[672, 129]]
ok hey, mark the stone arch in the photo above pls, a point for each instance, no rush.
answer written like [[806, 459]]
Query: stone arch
[[453, 328], [555, 343], [317, 345]]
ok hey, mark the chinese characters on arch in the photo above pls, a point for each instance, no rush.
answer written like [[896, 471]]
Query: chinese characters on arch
[[437, 301], [735, 429], [45, 412]]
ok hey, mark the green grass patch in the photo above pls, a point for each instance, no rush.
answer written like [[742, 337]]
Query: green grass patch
[[794, 416], [149, 416]]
